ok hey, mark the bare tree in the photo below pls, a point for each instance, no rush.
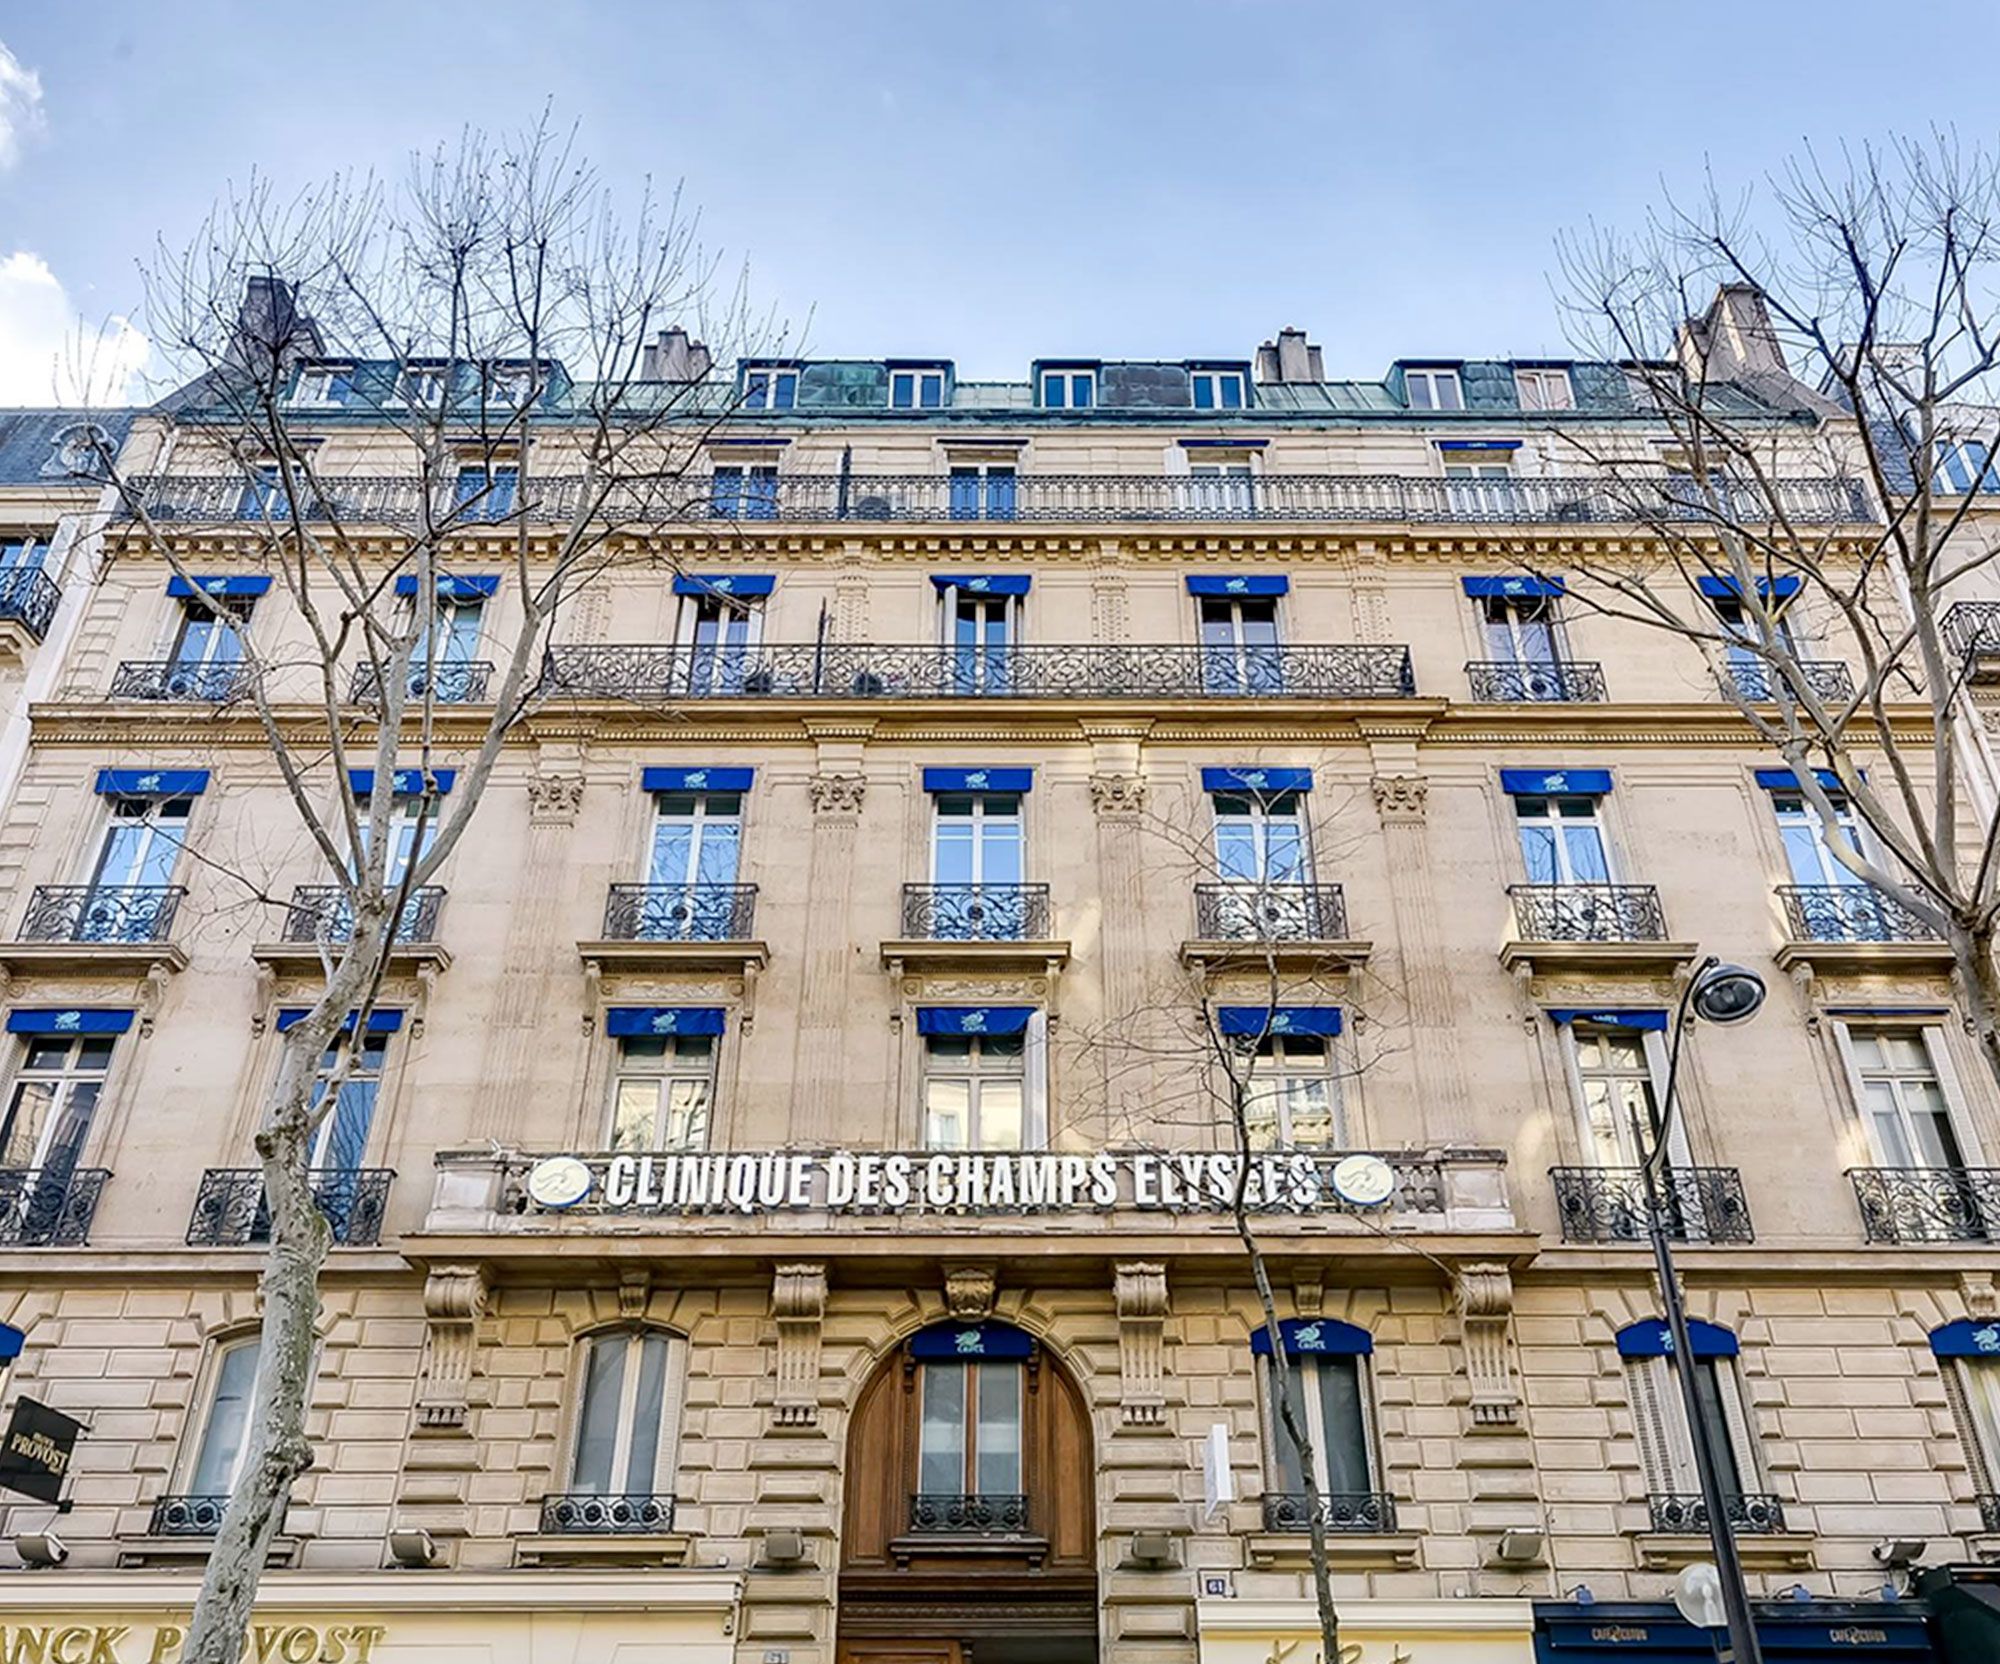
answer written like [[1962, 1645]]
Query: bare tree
[[1819, 407], [507, 328]]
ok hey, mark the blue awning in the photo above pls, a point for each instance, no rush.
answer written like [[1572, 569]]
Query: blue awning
[[379, 1020], [624, 1022], [1231, 584], [11, 1341], [66, 1020], [1787, 780], [696, 779], [479, 588], [1313, 1336], [1717, 589], [152, 782], [1264, 780], [1320, 1021], [981, 583], [979, 779], [973, 1020], [181, 590], [409, 782], [1651, 1338], [1967, 1338], [738, 584], [1555, 782], [1480, 588], [1802, 1632], [1611, 1017], [1477, 444], [943, 1341]]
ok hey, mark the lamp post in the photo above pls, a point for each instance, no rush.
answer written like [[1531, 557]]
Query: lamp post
[[1718, 993]]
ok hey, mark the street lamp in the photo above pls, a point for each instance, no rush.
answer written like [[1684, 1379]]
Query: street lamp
[[1718, 993]]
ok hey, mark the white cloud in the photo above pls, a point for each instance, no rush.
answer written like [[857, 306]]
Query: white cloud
[[20, 106], [48, 353]]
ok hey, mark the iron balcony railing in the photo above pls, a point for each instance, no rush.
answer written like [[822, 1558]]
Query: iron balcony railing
[[101, 912], [455, 682], [1507, 682], [29, 596], [230, 1208], [49, 1207], [1588, 912], [1642, 499], [1610, 1204], [1848, 913], [588, 1514], [951, 1514], [680, 913], [187, 1516], [1928, 1204], [976, 912], [1251, 912], [857, 670], [1338, 1511], [1971, 628], [1825, 679], [1754, 1512], [320, 913], [181, 680]]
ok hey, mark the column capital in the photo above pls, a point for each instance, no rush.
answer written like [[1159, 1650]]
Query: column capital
[[837, 794], [554, 799], [1400, 796], [1118, 794]]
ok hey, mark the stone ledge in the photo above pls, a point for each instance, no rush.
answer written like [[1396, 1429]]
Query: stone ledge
[[1524, 958], [739, 956], [1668, 1551], [1209, 953], [669, 1548], [1345, 1550], [143, 1549], [1866, 958]]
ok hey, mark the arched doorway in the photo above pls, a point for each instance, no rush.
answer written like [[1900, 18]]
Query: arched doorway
[[969, 1533]]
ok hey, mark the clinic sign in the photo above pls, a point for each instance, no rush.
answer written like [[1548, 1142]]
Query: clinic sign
[[957, 1182]]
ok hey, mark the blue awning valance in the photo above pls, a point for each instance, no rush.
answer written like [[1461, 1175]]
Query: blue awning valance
[[152, 782], [1651, 1338], [1654, 1022], [478, 588], [11, 1340], [1264, 780], [982, 583], [1967, 1338], [1239, 584], [696, 779], [625, 1022], [379, 1021], [1555, 782], [1314, 1337], [241, 588], [1787, 780], [1477, 444], [1507, 584], [1717, 589], [740, 585], [1312, 1021], [1805, 1632], [942, 1342], [409, 782], [973, 1020], [979, 779], [66, 1020]]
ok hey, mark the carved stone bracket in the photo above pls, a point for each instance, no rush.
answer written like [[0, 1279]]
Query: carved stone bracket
[[635, 1293], [1982, 1299], [152, 991], [1486, 1314], [1118, 794], [969, 1292], [454, 1299], [267, 993], [1141, 1289], [1400, 797], [554, 799], [798, 1303], [837, 794]]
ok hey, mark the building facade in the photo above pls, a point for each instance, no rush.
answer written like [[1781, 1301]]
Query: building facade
[[783, 1202]]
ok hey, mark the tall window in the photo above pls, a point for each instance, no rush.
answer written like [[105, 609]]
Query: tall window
[[662, 1091], [979, 629], [1329, 1380], [1753, 673], [770, 389], [1217, 389], [719, 632], [692, 867], [1666, 1446], [1433, 390], [969, 1439], [1543, 389], [1968, 1355], [1069, 389], [1901, 1091], [1239, 644], [1616, 1091], [412, 830], [1261, 839], [1804, 838], [1521, 629], [982, 491], [1293, 1102], [487, 490], [1562, 840], [975, 1095], [744, 491], [218, 1458], [134, 867], [976, 839], [624, 1443], [210, 636], [341, 1141], [58, 1084], [916, 389]]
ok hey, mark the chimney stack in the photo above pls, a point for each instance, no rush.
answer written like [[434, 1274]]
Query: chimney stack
[[1290, 358], [271, 332], [674, 358], [1733, 340]]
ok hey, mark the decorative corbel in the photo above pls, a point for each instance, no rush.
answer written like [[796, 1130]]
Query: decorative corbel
[[635, 1292], [798, 1303], [1141, 1289], [593, 987], [1309, 1291], [267, 993], [151, 993], [1976, 1289], [454, 1299], [969, 1291], [420, 1007], [1486, 1313]]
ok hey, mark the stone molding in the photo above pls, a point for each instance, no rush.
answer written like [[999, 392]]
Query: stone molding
[[969, 1292], [1485, 1291], [1400, 796], [554, 799], [798, 1307], [837, 794], [1118, 794], [454, 1300], [1141, 1292]]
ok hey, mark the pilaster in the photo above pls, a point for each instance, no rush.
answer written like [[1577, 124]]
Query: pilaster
[[836, 791]]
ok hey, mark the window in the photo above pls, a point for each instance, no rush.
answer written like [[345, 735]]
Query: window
[[770, 389], [1294, 1098], [975, 1091], [692, 866], [1069, 389], [486, 491], [325, 385], [1329, 1395], [969, 1429], [134, 869], [1521, 629], [1221, 484], [423, 386], [509, 387], [623, 1446], [210, 634], [719, 633], [218, 1457], [1616, 1091], [1478, 465], [1562, 840], [982, 491], [1543, 389], [1218, 389], [1261, 839], [661, 1093], [1666, 1447], [444, 652], [979, 630], [1432, 390], [916, 389], [341, 1140], [1900, 1089], [744, 491], [976, 839], [57, 1086], [264, 495], [1968, 1355], [1752, 671], [407, 811], [1239, 644], [1964, 465], [22, 552], [1806, 854]]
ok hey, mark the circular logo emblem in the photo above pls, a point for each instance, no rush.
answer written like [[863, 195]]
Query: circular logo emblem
[[559, 1182], [1366, 1181]]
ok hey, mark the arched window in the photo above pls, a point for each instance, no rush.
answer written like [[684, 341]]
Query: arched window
[[622, 1444], [1968, 1354], [212, 1451], [972, 1399], [1666, 1447], [1331, 1401]]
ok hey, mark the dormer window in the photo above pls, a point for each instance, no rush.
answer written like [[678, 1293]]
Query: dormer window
[[509, 388], [1544, 389], [916, 389], [423, 387], [1433, 389], [1218, 389], [1070, 389], [770, 389], [325, 386]]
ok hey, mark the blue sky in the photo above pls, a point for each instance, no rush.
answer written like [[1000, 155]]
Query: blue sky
[[988, 181]]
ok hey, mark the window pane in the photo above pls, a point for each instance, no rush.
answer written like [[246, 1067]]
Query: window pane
[[642, 1465], [1708, 1393], [1538, 851], [947, 1108], [228, 1416], [1291, 1475], [1000, 1115], [635, 1110], [687, 1116], [941, 1436], [1346, 1432], [29, 1113], [597, 1426], [999, 1437]]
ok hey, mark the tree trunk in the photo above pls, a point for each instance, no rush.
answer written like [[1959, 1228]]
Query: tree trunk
[[1980, 977]]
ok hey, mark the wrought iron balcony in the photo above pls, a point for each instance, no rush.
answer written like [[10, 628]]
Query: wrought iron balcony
[[1928, 1204], [48, 1207], [1849, 913], [948, 1514], [187, 1516], [230, 1209], [586, 1514], [1507, 682], [452, 682], [680, 913], [854, 670], [1826, 679], [1609, 1204], [181, 680], [1588, 912], [101, 912], [1270, 913], [976, 912], [1754, 1512], [320, 913], [1972, 630], [1338, 1511], [29, 597]]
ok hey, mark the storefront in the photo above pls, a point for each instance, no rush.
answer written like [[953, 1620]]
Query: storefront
[[383, 1617], [1371, 1632], [1791, 1632]]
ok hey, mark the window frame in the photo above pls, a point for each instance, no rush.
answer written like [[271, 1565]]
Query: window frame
[[779, 389], [1972, 1388], [1032, 1073], [1259, 819], [673, 1401], [189, 1459], [1069, 377], [1932, 1033], [626, 1069], [1666, 1443], [1543, 377], [325, 376], [378, 1041], [226, 618], [973, 1372], [1434, 378], [922, 378], [1305, 1367], [1556, 820], [1511, 627], [1324, 1067], [25, 551], [977, 822], [1218, 380], [1653, 1047], [151, 819], [65, 1079]]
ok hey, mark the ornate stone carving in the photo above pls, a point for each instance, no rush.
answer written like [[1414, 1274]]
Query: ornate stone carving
[[635, 1293], [1118, 794], [1400, 796], [554, 799], [267, 994], [1981, 1298], [1141, 1290], [969, 1291], [837, 794], [1486, 1314], [798, 1304], [454, 1299], [152, 991]]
